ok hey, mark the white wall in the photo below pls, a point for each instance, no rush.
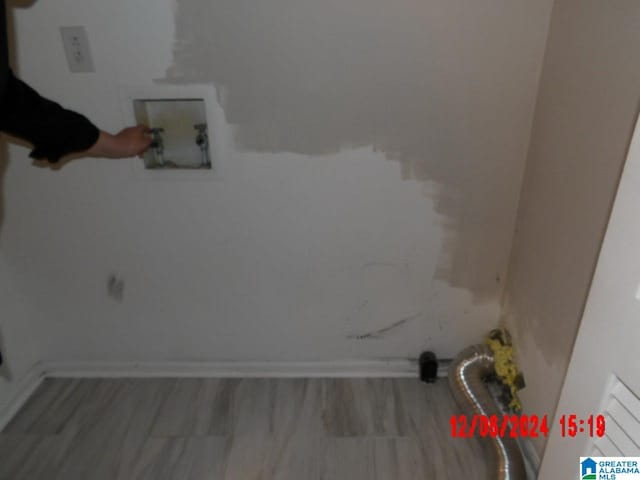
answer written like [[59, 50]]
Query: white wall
[[20, 351], [373, 159], [588, 102], [18, 344]]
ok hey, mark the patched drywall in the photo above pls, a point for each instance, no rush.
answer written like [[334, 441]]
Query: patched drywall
[[442, 87], [370, 160], [588, 102]]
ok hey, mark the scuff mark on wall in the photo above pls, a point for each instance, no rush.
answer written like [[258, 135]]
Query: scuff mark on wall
[[115, 287], [380, 333], [421, 82]]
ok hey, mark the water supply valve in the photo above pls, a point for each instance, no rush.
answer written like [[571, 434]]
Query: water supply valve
[[202, 140], [157, 145]]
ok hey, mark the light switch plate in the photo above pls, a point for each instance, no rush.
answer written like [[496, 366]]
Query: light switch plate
[[76, 48]]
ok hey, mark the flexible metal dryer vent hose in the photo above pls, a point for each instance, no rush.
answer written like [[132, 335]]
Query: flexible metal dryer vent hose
[[466, 379]]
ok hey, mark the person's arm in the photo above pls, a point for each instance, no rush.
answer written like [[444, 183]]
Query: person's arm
[[56, 132]]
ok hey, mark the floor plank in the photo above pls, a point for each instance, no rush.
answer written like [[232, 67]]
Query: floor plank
[[188, 458], [230, 429]]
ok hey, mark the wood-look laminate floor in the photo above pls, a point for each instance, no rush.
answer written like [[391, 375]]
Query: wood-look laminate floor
[[237, 429]]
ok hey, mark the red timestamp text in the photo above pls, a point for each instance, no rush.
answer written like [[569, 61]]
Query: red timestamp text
[[573, 425], [512, 426]]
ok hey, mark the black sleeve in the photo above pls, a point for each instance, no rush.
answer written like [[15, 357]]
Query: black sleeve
[[53, 130], [4, 52]]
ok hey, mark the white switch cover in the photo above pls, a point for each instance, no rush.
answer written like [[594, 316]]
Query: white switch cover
[[76, 47]]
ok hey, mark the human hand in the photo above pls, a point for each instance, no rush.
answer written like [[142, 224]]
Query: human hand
[[129, 142], [132, 141]]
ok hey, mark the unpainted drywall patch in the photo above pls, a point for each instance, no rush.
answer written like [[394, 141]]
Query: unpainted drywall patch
[[419, 81]]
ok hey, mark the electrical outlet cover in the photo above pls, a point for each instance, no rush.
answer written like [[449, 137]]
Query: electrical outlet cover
[[76, 48]]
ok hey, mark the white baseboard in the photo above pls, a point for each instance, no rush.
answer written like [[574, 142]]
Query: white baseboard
[[229, 369], [23, 390]]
